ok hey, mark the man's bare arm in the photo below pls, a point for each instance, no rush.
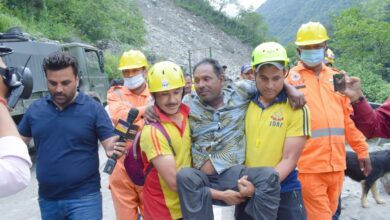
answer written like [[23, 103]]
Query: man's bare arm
[[292, 150]]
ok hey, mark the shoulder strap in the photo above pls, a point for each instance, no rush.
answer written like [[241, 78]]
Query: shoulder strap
[[161, 128], [148, 169], [136, 143]]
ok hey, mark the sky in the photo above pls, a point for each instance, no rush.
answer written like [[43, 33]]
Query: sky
[[254, 3], [232, 10]]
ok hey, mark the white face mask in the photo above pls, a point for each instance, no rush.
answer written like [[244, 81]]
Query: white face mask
[[134, 82]]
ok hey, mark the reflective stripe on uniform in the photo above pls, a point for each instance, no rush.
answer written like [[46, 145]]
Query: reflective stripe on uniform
[[327, 132], [306, 125]]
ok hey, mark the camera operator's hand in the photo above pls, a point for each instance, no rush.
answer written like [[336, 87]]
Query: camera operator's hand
[[353, 88], [3, 87]]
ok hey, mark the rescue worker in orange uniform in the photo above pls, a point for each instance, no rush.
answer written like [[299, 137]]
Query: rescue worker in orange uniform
[[126, 196], [322, 162], [329, 58]]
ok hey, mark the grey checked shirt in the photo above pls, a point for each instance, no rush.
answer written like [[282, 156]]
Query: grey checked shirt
[[218, 134]]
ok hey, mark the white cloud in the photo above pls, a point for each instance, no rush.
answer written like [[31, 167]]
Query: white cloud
[[248, 3], [232, 10]]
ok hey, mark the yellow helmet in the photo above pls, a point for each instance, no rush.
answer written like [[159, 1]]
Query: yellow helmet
[[132, 59], [329, 58], [268, 52], [311, 33], [165, 76]]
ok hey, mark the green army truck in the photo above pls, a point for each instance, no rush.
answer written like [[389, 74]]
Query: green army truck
[[93, 80]]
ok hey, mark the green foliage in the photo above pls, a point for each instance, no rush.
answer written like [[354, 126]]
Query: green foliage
[[292, 54], [111, 63], [375, 89], [249, 27], [69, 20], [284, 17], [7, 21], [88, 20], [256, 26], [362, 45]]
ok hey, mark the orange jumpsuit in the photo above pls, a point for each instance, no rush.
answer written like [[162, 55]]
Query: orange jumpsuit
[[322, 162], [126, 196]]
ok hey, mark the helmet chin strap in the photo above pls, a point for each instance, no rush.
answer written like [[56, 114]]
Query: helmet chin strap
[[184, 93]]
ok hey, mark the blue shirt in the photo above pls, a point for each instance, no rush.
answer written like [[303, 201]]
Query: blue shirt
[[67, 161], [281, 97], [218, 134]]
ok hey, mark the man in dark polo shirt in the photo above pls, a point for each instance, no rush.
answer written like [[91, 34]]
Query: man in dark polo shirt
[[66, 127]]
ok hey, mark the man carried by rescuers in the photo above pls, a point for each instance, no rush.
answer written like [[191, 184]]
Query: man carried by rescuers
[[275, 133], [126, 196], [166, 84], [66, 126], [322, 162], [218, 149]]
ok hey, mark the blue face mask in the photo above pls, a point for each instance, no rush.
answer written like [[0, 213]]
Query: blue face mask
[[312, 57]]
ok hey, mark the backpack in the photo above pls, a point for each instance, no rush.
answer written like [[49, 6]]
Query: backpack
[[133, 161]]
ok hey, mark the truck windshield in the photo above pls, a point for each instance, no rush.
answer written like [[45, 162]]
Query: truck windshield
[[92, 60]]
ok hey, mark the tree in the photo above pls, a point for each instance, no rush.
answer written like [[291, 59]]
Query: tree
[[255, 22], [221, 4], [361, 40], [248, 26]]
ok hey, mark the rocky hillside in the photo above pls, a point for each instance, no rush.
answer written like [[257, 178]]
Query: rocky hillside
[[172, 32]]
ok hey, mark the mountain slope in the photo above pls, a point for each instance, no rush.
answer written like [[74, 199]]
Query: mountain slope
[[173, 31], [284, 17]]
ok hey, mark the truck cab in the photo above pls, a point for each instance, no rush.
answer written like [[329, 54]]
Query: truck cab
[[93, 80], [30, 53]]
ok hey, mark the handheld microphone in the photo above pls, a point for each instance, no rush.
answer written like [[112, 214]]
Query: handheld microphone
[[126, 131]]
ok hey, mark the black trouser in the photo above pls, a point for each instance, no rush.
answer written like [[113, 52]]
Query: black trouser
[[195, 196], [337, 214], [291, 208]]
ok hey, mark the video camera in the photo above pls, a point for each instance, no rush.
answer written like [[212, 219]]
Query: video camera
[[18, 80]]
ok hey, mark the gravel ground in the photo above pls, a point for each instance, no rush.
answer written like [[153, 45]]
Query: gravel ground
[[24, 205]]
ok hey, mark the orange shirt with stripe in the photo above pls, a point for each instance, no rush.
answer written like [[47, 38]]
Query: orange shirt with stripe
[[160, 202], [126, 195], [331, 124]]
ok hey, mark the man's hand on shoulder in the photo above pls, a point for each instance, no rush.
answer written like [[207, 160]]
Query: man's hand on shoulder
[[150, 114], [296, 98]]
